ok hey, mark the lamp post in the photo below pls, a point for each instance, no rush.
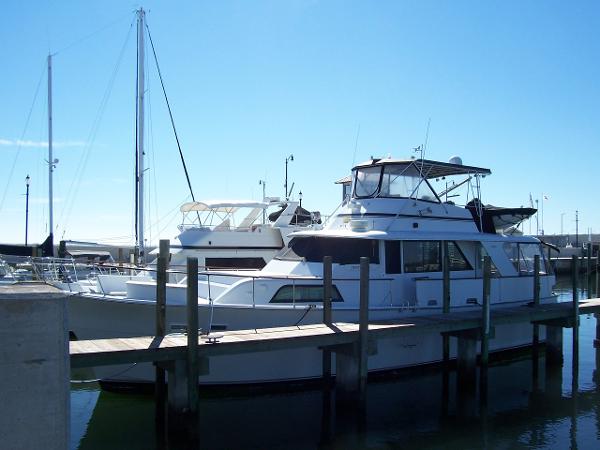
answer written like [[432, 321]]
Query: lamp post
[[300, 197], [577, 228], [264, 186], [543, 198], [537, 223], [27, 181], [289, 158]]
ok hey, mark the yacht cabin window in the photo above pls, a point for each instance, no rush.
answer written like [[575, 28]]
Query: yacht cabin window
[[522, 256], [341, 250], [421, 256], [302, 293], [392, 257], [457, 258]]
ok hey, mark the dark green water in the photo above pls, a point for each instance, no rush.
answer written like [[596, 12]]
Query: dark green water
[[412, 411]]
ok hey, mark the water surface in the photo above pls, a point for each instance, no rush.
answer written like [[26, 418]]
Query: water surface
[[543, 409]]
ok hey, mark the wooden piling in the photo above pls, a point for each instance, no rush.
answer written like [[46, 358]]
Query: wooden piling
[[161, 287], [466, 360], [588, 269], [62, 249], [446, 303], [485, 332], [327, 314], [536, 327], [351, 359], [363, 330], [192, 334], [536, 299], [575, 270], [161, 293], [597, 340], [554, 341]]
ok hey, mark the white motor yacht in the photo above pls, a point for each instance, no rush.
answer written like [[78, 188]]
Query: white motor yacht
[[213, 232], [397, 218]]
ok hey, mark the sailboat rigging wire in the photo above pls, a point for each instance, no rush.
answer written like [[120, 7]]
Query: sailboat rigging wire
[[79, 171], [427, 133], [355, 145], [187, 176], [94, 33], [153, 154], [20, 142]]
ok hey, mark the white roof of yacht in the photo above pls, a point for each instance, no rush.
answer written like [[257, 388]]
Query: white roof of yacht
[[429, 168], [411, 235], [227, 206]]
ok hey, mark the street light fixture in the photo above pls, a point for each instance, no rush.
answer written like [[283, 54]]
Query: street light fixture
[[289, 158], [27, 182], [264, 186]]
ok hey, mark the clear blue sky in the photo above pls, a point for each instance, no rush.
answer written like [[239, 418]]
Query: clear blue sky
[[511, 85]]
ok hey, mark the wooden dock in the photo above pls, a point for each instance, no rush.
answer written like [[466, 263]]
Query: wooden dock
[[173, 347]]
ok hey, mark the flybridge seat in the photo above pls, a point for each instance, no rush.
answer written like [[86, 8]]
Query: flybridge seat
[[497, 220], [250, 219]]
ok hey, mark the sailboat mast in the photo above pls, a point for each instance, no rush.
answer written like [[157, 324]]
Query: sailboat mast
[[50, 158], [140, 136]]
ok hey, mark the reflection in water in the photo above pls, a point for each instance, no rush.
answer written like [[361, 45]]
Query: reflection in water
[[527, 405]]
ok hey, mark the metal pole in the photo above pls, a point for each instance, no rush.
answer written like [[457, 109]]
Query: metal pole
[[264, 212], [577, 228], [140, 135], [50, 158], [192, 334], [26, 208], [286, 192]]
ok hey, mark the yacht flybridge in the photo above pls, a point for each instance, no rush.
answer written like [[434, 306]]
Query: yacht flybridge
[[405, 216], [236, 233]]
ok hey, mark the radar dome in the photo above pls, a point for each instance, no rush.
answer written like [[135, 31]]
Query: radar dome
[[455, 160]]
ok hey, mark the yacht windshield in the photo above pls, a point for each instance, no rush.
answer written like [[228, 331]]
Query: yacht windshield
[[367, 181], [394, 181], [405, 181]]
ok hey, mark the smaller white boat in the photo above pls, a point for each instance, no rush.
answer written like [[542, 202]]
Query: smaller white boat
[[237, 233]]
